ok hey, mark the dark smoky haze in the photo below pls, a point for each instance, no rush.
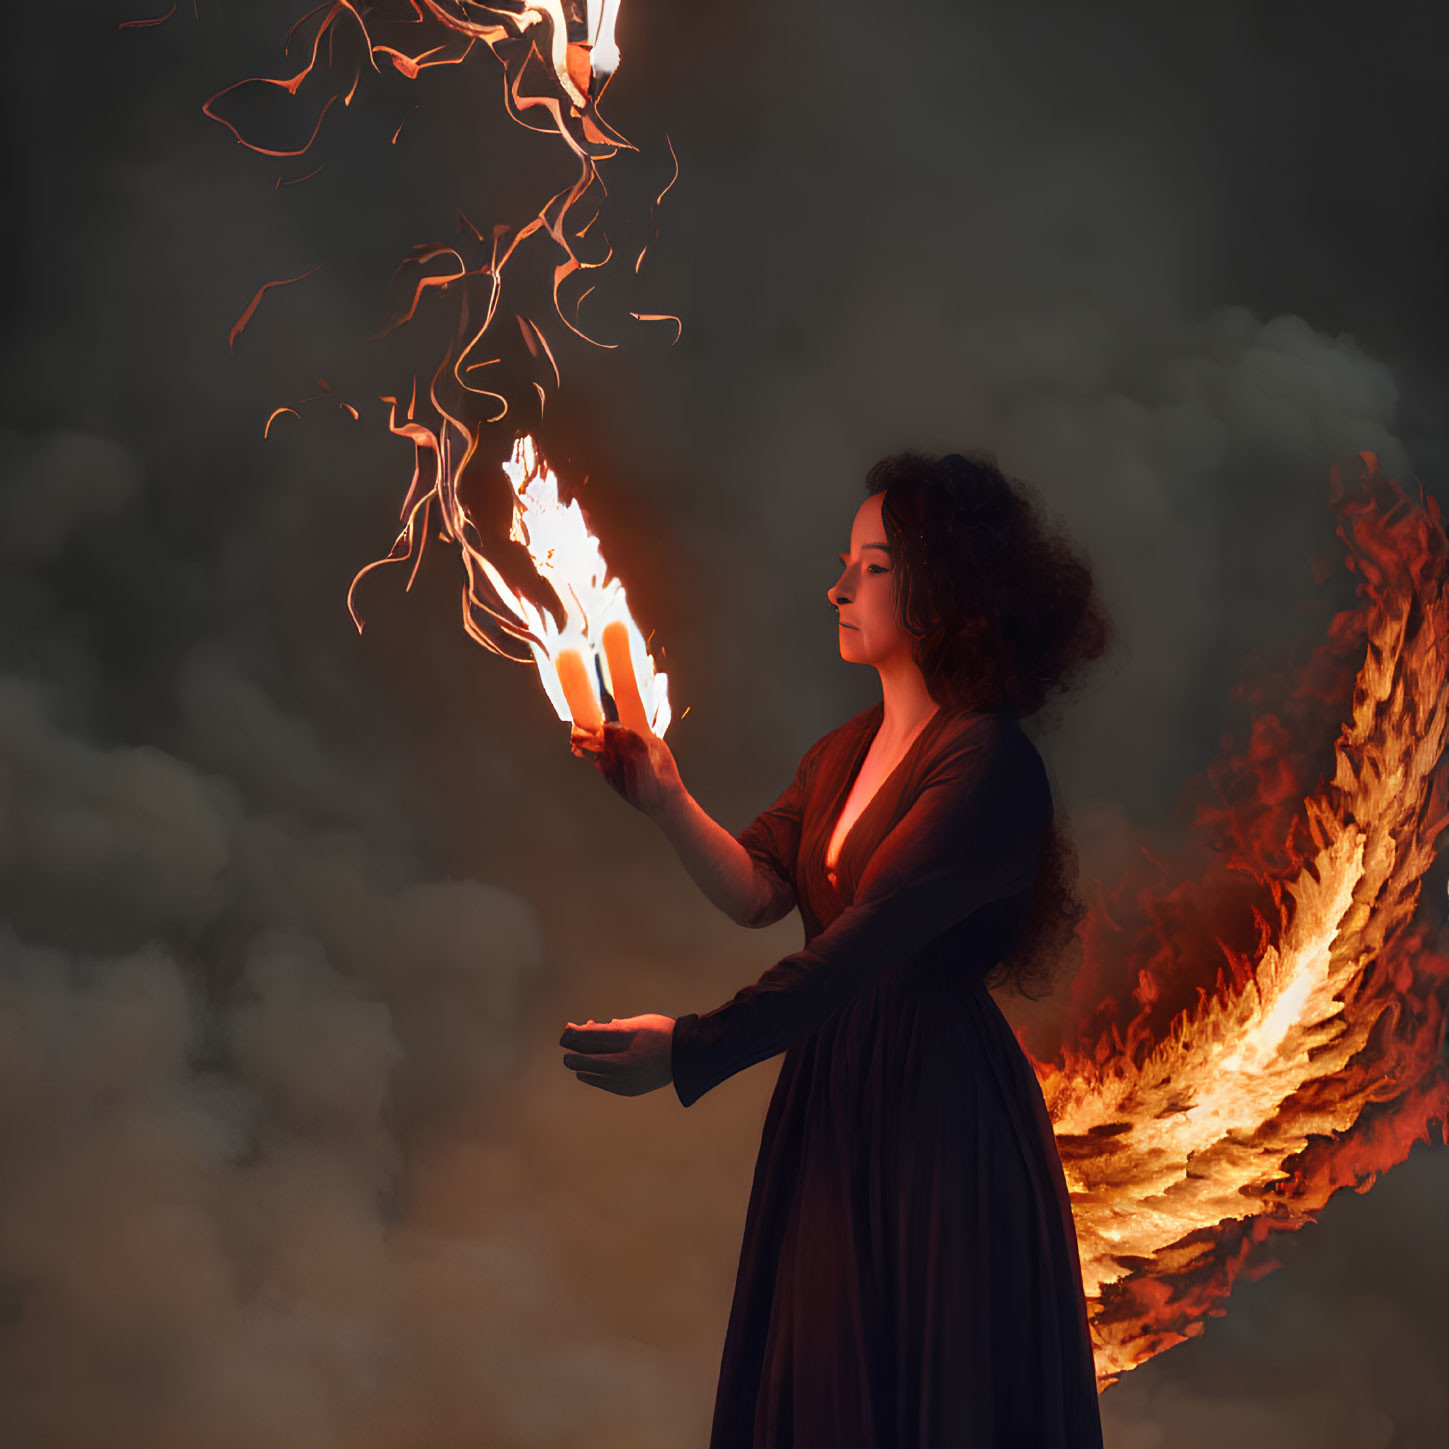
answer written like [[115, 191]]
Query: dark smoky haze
[[291, 919]]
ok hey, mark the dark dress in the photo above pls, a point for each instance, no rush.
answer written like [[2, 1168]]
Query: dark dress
[[909, 1275]]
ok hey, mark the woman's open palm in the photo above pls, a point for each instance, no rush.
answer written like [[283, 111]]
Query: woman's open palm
[[628, 1056]]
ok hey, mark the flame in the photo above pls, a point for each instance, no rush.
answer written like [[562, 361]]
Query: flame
[[568, 558], [557, 55], [565, 556], [1314, 1063]]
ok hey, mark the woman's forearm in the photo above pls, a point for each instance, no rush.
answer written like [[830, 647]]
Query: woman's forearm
[[718, 864]]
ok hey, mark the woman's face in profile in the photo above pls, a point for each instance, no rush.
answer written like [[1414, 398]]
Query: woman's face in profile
[[870, 631]]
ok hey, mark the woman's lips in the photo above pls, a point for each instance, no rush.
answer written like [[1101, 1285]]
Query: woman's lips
[[844, 625]]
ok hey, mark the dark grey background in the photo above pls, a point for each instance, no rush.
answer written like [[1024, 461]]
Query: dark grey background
[[294, 918]]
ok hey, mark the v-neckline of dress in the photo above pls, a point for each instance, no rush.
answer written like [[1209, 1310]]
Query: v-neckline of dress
[[842, 799]]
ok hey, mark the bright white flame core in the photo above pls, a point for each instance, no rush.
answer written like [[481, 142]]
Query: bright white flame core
[[604, 59], [568, 557]]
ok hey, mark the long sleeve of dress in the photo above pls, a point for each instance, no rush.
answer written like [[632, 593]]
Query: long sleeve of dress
[[772, 840], [972, 835]]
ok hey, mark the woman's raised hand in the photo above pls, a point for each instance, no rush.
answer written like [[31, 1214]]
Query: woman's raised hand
[[641, 768]]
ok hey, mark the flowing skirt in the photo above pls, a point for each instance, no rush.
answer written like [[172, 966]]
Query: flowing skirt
[[909, 1276]]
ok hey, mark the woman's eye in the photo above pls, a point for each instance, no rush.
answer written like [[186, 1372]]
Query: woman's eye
[[877, 569]]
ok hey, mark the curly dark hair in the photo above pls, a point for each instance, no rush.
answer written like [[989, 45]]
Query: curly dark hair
[[1004, 614]]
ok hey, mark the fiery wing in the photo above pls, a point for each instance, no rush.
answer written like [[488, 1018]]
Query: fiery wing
[[1315, 1062]]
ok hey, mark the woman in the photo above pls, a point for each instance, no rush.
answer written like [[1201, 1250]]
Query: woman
[[909, 1275]]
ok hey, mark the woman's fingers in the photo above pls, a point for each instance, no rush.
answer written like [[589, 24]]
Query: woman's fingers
[[628, 1056], [623, 757], [601, 1066], [585, 741], [598, 1053], [618, 1087], [596, 1039]]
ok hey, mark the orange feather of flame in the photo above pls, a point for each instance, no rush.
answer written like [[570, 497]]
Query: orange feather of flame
[[1202, 1126]]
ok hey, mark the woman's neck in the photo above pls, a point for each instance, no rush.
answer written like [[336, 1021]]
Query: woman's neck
[[907, 701]]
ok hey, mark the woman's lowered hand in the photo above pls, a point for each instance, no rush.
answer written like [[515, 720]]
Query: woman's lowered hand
[[628, 1056]]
